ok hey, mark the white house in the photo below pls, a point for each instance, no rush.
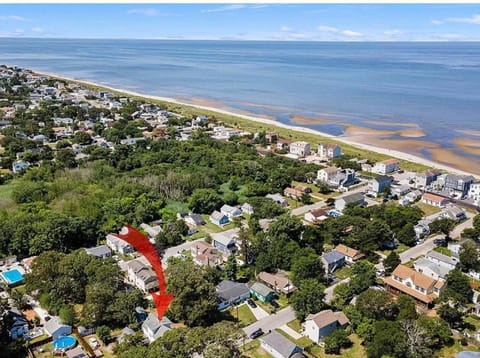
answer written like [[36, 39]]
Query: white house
[[434, 200], [247, 209], [154, 328], [386, 166], [118, 245], [230, 211], [301, 149], [142, 276], [102, 251], [316, 215], [318, 326], [474, 192], [442, 260], [329, 151], [325, 174]]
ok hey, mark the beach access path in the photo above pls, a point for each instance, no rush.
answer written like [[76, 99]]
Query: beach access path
[[390, 152]]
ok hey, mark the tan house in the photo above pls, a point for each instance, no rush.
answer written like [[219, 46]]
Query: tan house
[[420, 287], [318, 326], [316, 215], [327, 173], [434, 200], [205, 254], [277, 282], [351, 255]]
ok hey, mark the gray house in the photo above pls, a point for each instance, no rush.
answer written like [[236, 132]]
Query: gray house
[[102, 251], [231, 293], [352, 199], [332, 260], [378, 184], [55, 328], [458, 183], [154, 328], [279, 346]]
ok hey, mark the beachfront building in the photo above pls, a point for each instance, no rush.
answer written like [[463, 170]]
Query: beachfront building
[[386, 166], [326, 174], [301, 149], [434, 200], [474, 192], [424, 179], [379, 184], [458, 184], [421, 288], [329, 151]]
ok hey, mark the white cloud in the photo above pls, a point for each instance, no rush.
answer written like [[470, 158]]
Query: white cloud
[[349, 33], [144, 11], [286, 29], [437, 22], [14, 18], [38, 29], [475, 19], [234, 7], [329, 29], [393, 32]]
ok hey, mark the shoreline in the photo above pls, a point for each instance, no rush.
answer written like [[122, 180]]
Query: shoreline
[[389, 152]]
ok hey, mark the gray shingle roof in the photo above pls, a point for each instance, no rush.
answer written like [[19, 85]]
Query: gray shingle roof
[[227, 290], [99, 251], [281, 344], [352, 198], [261, 289], [333, 256], [441, 257]]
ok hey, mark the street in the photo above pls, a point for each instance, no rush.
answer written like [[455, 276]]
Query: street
[[272, 322], [419, 250], [457, 231], [177, 250]]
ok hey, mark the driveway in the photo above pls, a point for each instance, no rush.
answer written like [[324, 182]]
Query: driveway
[[419, 250], [258, 312], [457, 231], [273, 321], [329, 289]]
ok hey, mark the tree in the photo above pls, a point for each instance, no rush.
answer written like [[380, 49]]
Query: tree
[[306, 267], [469, 256], [104, 333], [305, 199], [308, 298], [82, 138], [391, 262], [406, 235], [337, 340], [417, 339], [364, 274], [388, 340], [406, 308], [323, 188], [342, 294], [230, 272], [195, 300], [204, 201], [442, 226], [450, 314], [66, 158], [67, 315], [457, 287], [375, 304], [437, 330]]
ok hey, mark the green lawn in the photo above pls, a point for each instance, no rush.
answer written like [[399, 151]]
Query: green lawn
[[245, 315], [6, 190], [453, 350], [177, 206], [443, 250], [344, 272], [428, 209], [296, 325]]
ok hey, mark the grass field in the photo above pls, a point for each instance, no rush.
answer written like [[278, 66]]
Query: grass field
[[245, 315], [428, 209], [344, 272]]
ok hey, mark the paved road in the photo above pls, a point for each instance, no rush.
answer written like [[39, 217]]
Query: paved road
[[419, 250], [177, 250], [258, 312], [457, 231], [272, 322], [306, 208]]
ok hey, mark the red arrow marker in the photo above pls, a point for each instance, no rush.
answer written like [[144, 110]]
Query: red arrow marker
[[140, 242]]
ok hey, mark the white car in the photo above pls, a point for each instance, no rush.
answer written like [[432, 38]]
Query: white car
[[93, 342]]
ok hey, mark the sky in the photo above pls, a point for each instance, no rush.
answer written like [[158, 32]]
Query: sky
[[281, 22]]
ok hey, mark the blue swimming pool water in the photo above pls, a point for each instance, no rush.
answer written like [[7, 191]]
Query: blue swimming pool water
[[64, 342], [12, 277]]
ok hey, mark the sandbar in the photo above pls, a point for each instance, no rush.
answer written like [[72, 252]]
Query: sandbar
[[308, 120], [468, 145]]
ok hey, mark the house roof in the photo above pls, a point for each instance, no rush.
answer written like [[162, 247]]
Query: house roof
[[261, 289], [433, 197], [216, 215], [441, 257], [76, 352], [440, 270], [281, 344], [383, 179], [409, 291], [276, 197], [326, 317], [227, 290], [333, 256], [418, 278], [317, 213], [53, 324], [229, 209], [276, 280], [155, 326], [198, 219], [98, 251], [352, 198], [389, 161], [348, 251]]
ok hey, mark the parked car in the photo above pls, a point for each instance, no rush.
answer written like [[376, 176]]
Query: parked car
[[440, 242], [251, 303], [274, 304], [256, 334]]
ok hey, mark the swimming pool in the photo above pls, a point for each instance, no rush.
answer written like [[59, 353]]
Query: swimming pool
[[12, 277], [64, 343]]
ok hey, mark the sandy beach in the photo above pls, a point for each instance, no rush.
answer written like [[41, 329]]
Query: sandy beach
[[389, 152], [409, 132]]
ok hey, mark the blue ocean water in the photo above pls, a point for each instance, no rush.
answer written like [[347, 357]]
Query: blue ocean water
[[436, 85]]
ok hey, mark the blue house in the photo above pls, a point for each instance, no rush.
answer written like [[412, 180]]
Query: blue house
[[332, 260], [19, 166], [19, 324], [218, 218], [225, 243]]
